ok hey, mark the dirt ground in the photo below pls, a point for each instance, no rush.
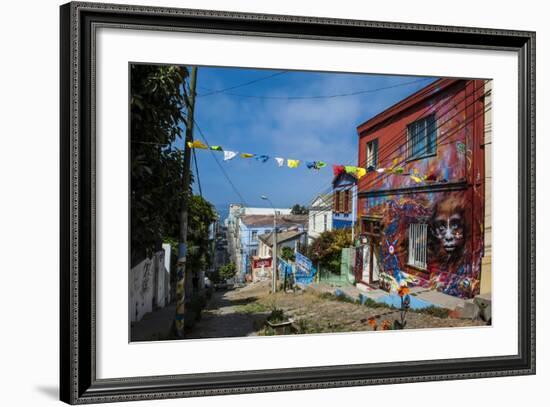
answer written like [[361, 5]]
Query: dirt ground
[[243, 312]]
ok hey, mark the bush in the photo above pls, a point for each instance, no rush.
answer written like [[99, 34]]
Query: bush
[[227, 271], [327, 248], [288, 254], [277, 316]]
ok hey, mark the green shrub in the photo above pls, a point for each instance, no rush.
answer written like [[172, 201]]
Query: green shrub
[[276, 316]]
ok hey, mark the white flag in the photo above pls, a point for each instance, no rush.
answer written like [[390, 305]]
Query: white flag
[[380, 170], [280, 161], [229, 155]]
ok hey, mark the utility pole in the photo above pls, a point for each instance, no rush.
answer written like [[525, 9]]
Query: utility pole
[[274, 254], [274, 257], [181, 271]]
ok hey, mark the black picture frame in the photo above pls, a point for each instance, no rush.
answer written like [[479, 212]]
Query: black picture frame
[[78, 382]]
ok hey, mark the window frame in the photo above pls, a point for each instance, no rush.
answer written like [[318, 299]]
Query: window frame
[[368, 154], [417, 255], [410, 155]]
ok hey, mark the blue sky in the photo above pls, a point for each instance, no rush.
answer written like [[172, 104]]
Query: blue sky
[[306, 129]]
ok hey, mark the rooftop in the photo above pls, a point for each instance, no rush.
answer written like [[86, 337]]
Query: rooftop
[[267, 220], [267, 238]]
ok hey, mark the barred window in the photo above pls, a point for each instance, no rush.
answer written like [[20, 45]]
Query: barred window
[[418, 245]]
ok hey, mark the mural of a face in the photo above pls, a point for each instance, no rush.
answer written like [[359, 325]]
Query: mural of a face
[[448, 224]]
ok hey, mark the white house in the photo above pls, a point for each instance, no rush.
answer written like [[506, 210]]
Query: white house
[[262, 264], [320, 216]]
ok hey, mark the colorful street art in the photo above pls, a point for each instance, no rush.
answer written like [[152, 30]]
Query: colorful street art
[[453, 259], [447, 209]]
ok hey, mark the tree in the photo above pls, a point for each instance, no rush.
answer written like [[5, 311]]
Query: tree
[[201, 216], [299, 210], [227, 271], [327, 248], [288, 254], [157, 103]]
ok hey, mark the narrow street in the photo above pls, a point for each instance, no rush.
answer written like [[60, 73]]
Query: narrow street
[[226, 315]]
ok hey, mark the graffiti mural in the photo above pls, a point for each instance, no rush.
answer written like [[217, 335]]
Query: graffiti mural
[[453, 253], [431, 229]]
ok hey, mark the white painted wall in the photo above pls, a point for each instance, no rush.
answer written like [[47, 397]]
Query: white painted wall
[[149, 286], [316, 218]]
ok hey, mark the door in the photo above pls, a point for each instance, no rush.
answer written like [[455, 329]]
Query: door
[[365, 277], [370, 251]]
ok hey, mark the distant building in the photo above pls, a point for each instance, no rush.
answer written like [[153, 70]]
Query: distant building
[[233, 227], [251, 226], [261, 264], [319, 216]]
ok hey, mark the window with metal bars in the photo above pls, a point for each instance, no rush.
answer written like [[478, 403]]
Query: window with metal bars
[[418, 245]]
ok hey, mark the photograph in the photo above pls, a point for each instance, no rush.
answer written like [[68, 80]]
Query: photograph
[[269, 202]]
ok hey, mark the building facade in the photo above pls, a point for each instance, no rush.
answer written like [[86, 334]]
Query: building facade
[[319, 216], [293, 238], [421, 205], [344, 201], [251, 226], [235, 238]]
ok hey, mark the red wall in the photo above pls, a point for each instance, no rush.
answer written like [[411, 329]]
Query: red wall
[[456, 178]]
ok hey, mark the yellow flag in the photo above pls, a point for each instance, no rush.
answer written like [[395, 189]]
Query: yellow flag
[[416, 179], [197, 144], [292, 163], [360, 172], [247, 155]]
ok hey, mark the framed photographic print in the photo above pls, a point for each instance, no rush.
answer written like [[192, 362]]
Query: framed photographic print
[[311, 200]]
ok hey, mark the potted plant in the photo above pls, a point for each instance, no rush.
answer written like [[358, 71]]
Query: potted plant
[[279, 322]]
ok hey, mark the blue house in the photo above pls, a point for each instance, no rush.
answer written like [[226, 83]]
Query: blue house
[[344, 201]]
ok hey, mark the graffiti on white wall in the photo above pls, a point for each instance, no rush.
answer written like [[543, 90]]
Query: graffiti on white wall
[[149, 286]]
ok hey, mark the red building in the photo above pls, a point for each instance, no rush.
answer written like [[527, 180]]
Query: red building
[[421, 205]]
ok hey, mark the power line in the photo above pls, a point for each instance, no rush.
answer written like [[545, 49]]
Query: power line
[[197, 171], [396, 138], [383, 176], [360, 92], [235, 189], [386, 147], [380, 177], [216, 91]]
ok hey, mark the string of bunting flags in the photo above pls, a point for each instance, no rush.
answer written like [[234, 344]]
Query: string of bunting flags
[[358, 172]]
